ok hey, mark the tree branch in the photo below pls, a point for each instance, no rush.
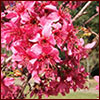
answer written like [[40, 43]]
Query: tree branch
[[8, 59], [81, 11], [82, 14], [6, 62], [93, 32], [26, 83], [95, 39], [91, 18]]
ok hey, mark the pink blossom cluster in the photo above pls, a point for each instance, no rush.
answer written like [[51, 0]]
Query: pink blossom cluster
[[43, 39], [9, 3], [74, 4], [60, 82], [8, 89], [97, 80]]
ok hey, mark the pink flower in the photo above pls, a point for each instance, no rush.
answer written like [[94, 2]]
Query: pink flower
[[11, 14], [3, 56], [2, 15], [8, 81], [97, 9], [52, 17], [69, 78], [5, 85], [47, 30], [57, 26], [35, 77], [90, 45], [37, 49], [81, 41], [50, 7], [8, 89], [97, 80]]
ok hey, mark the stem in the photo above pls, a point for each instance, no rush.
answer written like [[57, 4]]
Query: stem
[[91, 18], [95, 39], [21, 93], [93, 32], [82, 14], [6, 62], [8, 59], [81, 11], [30, 88]]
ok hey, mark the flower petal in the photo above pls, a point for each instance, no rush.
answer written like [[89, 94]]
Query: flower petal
[[50, 7], [37, 49], [90, 45], [32, 61], [47, 30], [9, 81], [36, 38], [96, 78]]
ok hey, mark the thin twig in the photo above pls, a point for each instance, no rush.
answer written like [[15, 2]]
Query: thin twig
[[6, 62], [82, 14], [93, 32], [82, 10], [30, 88], [8, 59], [96, 39], [21, 93], [26, 83], [91, 18]]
